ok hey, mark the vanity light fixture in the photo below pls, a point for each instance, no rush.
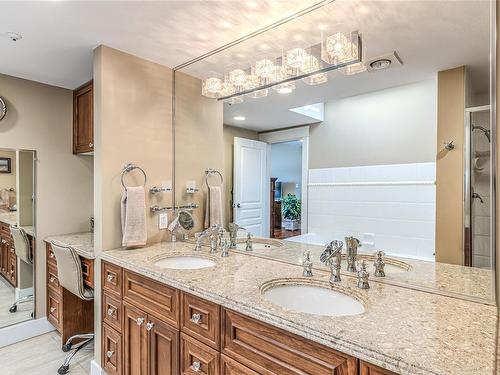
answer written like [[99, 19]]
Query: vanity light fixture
[[316, 79], [234, 100], [264, 68], [357, 68], [211, 87], [239, 118], [296, 57], [338, 48], [284, 88], [237, 77], [258, 94], [310, 65]]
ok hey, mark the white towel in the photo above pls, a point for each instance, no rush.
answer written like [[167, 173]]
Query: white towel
[[133, 214], [213, 206], [5, 198]]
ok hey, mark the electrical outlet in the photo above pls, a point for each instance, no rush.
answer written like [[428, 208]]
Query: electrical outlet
[[163, 220]]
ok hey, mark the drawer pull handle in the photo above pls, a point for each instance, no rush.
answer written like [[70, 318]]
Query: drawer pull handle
[[196, 366], [149, 326], [139, 321], [52, 279], [109, 353], [3, 241], [196, 318], [52, 309], [111, 311], [110, 277], [51, 255], [91, 144]]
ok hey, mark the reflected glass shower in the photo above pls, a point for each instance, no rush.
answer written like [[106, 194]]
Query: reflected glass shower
[[477, 187]]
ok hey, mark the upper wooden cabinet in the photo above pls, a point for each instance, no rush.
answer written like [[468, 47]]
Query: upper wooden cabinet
[[83, 119]]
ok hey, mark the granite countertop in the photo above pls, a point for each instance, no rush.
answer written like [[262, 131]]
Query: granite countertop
[[83, 242], [404, 330], [10, 218]]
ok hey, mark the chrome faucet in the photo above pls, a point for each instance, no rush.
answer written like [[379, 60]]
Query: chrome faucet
[[379, 264], [307, 264], [332, 256], [249, 244], [225, 248], [363, 276], [200, 237], [352, 244], [233, 233]]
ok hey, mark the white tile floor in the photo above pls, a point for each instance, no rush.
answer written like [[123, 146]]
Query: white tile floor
[[7, 297], [41, 355]]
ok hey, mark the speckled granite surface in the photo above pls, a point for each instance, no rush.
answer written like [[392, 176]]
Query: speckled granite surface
[[10, 218], [83, 243], [403, 330]]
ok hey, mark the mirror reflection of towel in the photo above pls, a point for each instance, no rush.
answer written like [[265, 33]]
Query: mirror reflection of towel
[[133, 216], [213, 206]]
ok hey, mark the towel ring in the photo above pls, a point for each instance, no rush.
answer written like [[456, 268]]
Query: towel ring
[[129, 168], [210, 171]]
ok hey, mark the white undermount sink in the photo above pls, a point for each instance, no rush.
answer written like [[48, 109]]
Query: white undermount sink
[[311, 299], [185, 263]]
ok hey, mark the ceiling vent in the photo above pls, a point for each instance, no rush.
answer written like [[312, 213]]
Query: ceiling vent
[[374, 64]]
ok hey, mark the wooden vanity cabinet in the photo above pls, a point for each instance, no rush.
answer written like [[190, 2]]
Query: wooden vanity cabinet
[[83, 119], [154, 329]]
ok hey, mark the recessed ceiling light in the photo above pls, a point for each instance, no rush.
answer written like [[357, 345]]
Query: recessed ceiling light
[[264, 46], [239, 118], [380, 64], [322, 26], [14, 36], [225, 24], [202, 36], [252, 4]]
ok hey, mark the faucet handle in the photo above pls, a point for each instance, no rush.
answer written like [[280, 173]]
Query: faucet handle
[[363, 276], [379, 264], [307, 264], [225, 248]]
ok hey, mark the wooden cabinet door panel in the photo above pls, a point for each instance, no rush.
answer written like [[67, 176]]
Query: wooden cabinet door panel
[[54, 309], [369, 369], [163, 348], [83, 119], [201, 319], [153, 297], [198, 358], [231, 367], [269, 350], [134, 341], [112, 311], [112, 278], [111, 351]]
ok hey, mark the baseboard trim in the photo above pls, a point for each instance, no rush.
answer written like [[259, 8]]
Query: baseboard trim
[[23, 331], [95, 369], [21, 293]]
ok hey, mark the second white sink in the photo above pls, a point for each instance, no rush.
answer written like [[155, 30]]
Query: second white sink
[[185, 263], [311, 299]]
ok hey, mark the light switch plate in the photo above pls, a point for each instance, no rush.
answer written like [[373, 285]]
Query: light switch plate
[[163, 220]]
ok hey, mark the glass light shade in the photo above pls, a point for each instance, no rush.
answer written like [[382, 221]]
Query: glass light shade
[[234, 100], [252, 82], [311, 64], [211, 87], [316, 79], [264, 68], [258, 93], [339, 48], [237, 77], [284, 88], [279, 74], [296, 57], [353, 69], [226, 90]]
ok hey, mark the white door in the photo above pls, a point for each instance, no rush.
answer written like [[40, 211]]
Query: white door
[[251, 188]]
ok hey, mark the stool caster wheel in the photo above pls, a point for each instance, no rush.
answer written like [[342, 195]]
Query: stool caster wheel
[[66, 347], [13, 309], [63, 370]]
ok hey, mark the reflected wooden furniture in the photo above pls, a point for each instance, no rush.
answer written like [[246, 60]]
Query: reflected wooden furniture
[[68, 313], [149, 328], [8, 257], [83, 119], [272, 213]]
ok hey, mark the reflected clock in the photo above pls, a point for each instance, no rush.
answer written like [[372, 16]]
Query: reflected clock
[[3, 109]]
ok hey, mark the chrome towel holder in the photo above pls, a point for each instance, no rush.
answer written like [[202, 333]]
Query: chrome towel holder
[[129, 167], [210, 171]]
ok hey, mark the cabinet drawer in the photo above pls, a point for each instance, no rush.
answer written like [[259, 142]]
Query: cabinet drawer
[[4, 229], [112, 278], [153, 297], [269, 350], [51, 258], [13, 270], [201, 319], [231, 367], [88, 271], [198, 358], [54, 306], [111, 351], [112, 311], [52, 280], [369, 369]]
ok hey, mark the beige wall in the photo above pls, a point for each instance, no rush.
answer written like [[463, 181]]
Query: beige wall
[[40, 118], [229, 132], [449, 166], [392, 126], [8, 180], [496, 105], [198, 141]]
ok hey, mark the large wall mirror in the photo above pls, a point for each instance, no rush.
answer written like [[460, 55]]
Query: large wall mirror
[[17, 235], [346, 123]]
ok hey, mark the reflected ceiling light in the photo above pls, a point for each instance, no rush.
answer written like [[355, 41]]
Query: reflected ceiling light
[[225, 24], [252, 82], [234, 100], [239, 118], [237, 77], [264, 68], [316, 79], [252, 4], [211, 87], [284, 88], [227, 89], [258, 94], [357, 68], [296, 57]]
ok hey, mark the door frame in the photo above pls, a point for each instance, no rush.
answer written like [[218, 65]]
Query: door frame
[[287, 135]]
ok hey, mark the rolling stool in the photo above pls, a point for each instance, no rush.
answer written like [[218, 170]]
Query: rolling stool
[[69, 270], [22, 248]]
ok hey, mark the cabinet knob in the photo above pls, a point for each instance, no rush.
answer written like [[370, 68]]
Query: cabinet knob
[[111, 311], [139, 321], [52, 309], [196, 318], [149, 326], [91, 145], [3, 241], [109, 353], [110, 277], [51, 255], [196, 366], [52, 279]]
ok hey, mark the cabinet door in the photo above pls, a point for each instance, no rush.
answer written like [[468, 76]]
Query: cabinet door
[[198, 358], [4, 261], [111, 351], [134, 341], [83, 120], [163, 348], [369, 369], [231, 367]]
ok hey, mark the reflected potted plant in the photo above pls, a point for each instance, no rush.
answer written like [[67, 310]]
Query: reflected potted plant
[[291, 207]]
